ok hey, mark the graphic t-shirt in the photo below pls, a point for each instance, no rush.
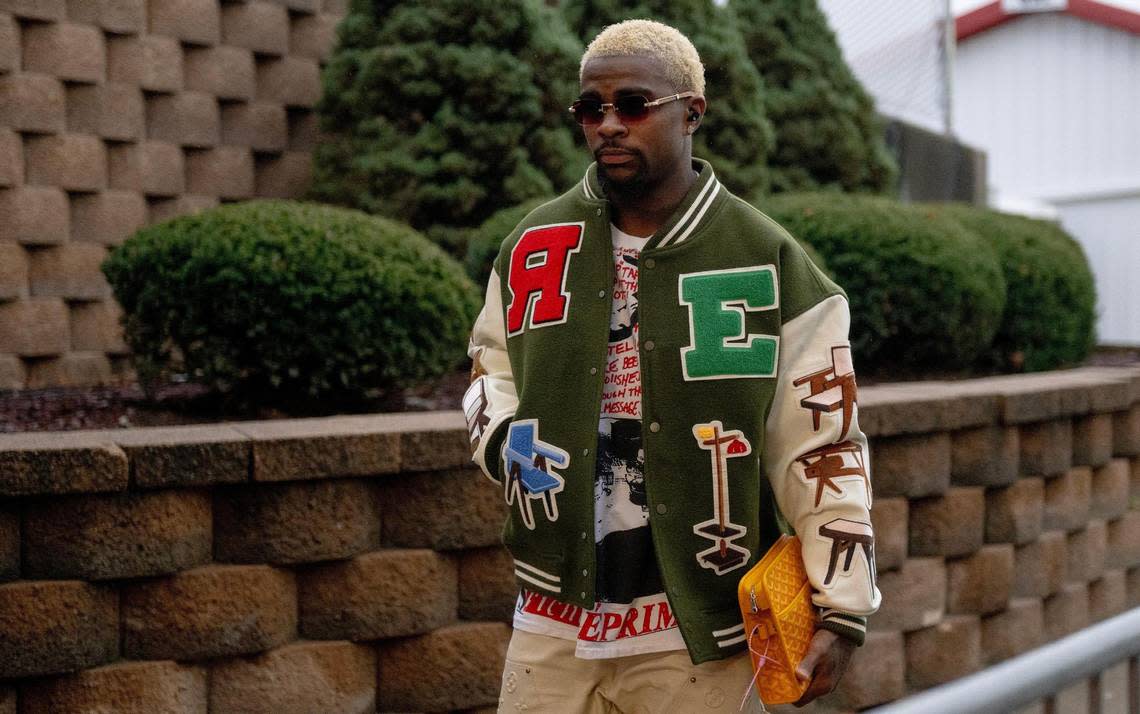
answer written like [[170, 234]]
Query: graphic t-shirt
[[632, 615]]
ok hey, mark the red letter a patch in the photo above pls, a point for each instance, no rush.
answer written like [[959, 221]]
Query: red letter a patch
[[537, 279]]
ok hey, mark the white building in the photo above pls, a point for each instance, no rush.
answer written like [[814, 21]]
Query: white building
[[898, 51], [1048, 89]]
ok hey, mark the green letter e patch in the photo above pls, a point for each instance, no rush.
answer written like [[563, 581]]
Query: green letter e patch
[[717, 300]]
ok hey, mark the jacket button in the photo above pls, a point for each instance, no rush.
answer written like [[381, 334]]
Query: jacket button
[[583, 535], [650, 263], [583, 594], [649, 345], [585, 452], [661, 508], [601, 293], [593, 370], [655, 427], [585, 572]]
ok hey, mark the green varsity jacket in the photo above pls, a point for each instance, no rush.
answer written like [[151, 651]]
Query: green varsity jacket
[[749, 407]]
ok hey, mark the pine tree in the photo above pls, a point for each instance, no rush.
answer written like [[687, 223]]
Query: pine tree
[[441, 112], [827, 132], [735, 136]]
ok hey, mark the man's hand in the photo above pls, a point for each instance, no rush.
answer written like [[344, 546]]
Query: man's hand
[[824, 664]]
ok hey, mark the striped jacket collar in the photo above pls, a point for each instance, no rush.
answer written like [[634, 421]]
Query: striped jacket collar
[[684, 222]]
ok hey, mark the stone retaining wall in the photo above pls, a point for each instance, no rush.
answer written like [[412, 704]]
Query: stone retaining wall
[[116, 114], [352, 564]]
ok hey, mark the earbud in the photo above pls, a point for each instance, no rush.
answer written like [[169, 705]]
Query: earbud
[[694, 115]]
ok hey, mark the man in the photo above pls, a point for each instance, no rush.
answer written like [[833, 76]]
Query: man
[[659, 375]]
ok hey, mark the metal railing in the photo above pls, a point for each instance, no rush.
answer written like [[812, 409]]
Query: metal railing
[[1039, 675]]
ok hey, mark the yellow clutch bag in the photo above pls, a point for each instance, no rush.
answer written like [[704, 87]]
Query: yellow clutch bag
[[779, 620]]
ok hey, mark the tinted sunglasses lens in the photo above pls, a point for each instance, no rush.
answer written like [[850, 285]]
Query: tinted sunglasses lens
[[632, 107], [588, 111]]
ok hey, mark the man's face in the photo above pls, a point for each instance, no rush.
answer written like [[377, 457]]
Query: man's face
[[636, 155]]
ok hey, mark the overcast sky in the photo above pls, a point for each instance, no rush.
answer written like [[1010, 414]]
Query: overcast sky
[[961, 6]]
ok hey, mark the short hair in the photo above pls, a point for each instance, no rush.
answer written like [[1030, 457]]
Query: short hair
[[647, 38]]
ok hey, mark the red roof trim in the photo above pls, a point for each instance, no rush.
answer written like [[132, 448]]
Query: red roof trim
[[1109, 15], [980, 20], [991, 15]]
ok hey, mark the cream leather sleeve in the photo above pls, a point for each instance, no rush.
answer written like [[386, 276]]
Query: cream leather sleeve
[[491, 400], [818, 463]]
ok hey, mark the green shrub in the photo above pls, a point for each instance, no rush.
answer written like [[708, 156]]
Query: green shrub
[[735, 135], [440, 113], [1050, 308], [827, 132], [282, 301], [926, 295], [483, 242]]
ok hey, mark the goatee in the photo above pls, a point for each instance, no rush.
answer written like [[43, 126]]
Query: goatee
[[634, 187]]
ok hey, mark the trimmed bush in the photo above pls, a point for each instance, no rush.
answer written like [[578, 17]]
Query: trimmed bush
[[1050, 308], [440, 113], [926, 295], [282, 301]]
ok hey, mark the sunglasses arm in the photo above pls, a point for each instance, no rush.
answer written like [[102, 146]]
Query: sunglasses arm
[[671, 98]]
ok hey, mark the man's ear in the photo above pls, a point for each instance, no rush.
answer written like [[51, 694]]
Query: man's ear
[[696, 110]]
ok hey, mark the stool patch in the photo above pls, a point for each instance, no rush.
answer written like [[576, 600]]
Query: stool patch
[[833, 389], [830, 463], [528, 466], [847, 537]]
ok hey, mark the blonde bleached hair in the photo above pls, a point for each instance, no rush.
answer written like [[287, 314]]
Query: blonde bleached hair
[[647, 38]]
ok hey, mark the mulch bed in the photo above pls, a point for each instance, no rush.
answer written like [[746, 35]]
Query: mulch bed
[[125, 405]]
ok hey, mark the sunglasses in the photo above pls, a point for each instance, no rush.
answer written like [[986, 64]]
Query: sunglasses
[[630, 108]]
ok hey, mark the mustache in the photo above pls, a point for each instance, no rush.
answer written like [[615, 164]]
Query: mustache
[[611, 148]]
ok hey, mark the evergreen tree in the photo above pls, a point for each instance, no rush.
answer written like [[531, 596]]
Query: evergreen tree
[[735, 136], [440, 113], [827, 132]]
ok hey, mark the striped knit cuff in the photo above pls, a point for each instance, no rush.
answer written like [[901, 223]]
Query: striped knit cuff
[[488, 455], [853, 627]]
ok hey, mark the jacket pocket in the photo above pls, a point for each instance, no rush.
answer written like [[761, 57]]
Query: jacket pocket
[[535, 571], [545, 579]]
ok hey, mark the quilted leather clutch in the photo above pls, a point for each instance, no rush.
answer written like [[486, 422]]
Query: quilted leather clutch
[[779, 620]]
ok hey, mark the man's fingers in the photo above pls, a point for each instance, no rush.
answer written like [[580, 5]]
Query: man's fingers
[[821, 642], [806, 666], [822, 683], [817, 649], [824, 663], [820, 686]]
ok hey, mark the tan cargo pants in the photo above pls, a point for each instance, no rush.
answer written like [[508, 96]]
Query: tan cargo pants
[[543, 676]]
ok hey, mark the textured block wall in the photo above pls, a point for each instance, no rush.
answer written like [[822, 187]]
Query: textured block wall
[[115, 114], [1007, 515], [325, 565], [352, 564]]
